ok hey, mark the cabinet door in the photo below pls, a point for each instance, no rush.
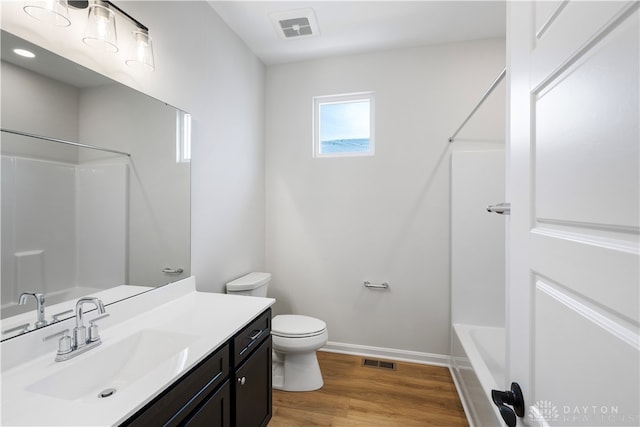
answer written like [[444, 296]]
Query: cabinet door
[[252, 388], [215, 411]]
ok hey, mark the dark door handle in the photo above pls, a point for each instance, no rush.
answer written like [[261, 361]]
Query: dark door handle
[[511, 397]]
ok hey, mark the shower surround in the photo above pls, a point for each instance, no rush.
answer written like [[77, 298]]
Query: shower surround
[[64, 229]]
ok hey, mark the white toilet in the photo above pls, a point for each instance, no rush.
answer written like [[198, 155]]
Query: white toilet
[[295, 339]]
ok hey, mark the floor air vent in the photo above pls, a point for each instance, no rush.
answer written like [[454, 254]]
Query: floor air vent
[[380, 364]]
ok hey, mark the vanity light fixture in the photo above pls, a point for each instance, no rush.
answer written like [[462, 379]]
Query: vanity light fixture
[[142, 56], [54, 12], [100, 31]]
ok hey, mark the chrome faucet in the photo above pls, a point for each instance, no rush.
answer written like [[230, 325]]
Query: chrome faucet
[[80, 331], [40, 322], [80, 341]]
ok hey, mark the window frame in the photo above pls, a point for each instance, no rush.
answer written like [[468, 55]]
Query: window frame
[[183, 136], [318, 101]]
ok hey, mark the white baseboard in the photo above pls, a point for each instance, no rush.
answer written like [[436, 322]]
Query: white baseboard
[[387, 353]]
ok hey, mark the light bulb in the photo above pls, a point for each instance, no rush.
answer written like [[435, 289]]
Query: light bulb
[[101, 28], [142, 56]]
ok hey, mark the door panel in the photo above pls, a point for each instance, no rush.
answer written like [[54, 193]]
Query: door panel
[[581, 361], [564, 257], [574, 27], [578, 116], [573, 287]]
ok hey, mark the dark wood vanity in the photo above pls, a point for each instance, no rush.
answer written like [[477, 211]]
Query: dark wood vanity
[[230, 387]]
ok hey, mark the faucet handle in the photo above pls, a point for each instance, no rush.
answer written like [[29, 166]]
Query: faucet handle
[[22, 328], [56, 317], [94, 335], [64, 343]]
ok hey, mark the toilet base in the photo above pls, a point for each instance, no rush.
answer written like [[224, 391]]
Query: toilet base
[[296, 371]]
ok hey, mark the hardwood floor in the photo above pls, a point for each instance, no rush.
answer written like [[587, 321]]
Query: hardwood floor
[[354, 395]]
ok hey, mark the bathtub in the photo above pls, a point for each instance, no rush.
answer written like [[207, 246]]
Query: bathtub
[[477, 367]]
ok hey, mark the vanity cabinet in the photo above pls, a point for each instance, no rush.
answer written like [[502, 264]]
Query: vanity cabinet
[[231, 387], [251, 387]]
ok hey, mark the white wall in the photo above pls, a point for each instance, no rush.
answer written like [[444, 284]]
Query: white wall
[[158, 186], [26, 106], [391, 222], [333, 223], [101, 225], [201, 67], [477, 238]]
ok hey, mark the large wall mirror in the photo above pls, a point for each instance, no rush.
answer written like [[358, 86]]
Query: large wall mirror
[[109, 217]]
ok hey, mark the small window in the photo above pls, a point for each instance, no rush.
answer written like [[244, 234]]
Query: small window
[[183, 137], [343, 125]]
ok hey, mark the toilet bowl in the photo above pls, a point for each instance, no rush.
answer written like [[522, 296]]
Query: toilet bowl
[[295, 339]]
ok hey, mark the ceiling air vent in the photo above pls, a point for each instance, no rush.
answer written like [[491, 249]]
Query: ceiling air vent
[[296, 27], [295, 23]]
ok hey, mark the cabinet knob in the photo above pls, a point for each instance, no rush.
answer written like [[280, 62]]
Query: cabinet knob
[[242, 380]]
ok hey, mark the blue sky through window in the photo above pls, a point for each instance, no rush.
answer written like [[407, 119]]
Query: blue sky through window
[[345, 120]]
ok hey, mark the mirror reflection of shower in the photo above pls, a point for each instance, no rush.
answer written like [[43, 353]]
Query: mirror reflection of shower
[[78, 220], [64, 226]]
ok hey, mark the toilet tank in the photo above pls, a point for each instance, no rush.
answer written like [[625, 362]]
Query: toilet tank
[[254, 284]]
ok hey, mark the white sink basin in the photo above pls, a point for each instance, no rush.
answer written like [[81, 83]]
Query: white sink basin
[[115, 366]]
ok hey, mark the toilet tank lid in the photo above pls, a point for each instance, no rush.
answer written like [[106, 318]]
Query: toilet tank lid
[[249, 281]]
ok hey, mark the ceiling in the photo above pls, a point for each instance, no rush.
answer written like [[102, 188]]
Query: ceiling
[[351, 27], [48, 63]]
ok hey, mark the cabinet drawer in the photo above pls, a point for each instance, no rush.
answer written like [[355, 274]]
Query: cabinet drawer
[[251, 336], [174, 404]]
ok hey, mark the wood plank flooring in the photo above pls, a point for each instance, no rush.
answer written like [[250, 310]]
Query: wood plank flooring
[[353, 395]]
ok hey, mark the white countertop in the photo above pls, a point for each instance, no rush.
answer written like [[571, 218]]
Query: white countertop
[[212, 318]]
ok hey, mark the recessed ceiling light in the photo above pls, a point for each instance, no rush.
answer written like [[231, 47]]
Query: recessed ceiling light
[[24, 52]]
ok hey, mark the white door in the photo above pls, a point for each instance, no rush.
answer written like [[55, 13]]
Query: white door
[[573, 271]]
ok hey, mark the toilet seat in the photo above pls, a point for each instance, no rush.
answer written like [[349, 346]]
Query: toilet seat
[[297, 326]]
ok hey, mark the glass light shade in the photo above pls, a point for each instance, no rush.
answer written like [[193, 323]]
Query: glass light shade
[[142, 56], [54, 12], [101, 29]]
